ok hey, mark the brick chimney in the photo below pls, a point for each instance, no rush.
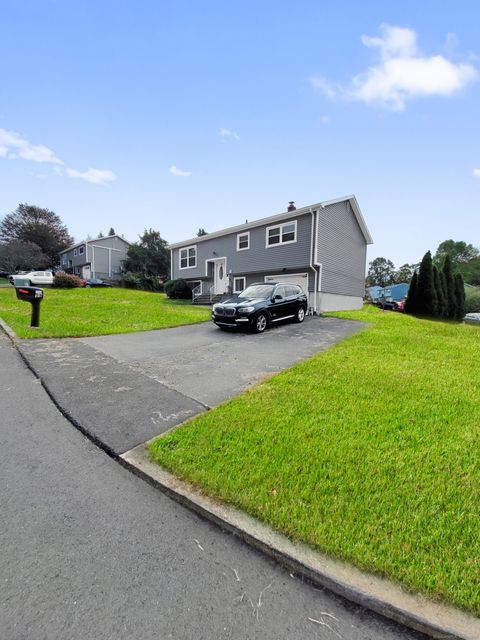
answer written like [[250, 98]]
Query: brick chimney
[[291, 206]]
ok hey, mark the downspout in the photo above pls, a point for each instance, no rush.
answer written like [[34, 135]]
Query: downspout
[[312, 266]]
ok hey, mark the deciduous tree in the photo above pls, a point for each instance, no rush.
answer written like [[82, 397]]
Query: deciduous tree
[[381, 272], [16, 255], [43, 227]]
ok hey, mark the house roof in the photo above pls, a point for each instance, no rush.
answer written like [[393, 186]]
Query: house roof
[[284, 216], [78, 244]]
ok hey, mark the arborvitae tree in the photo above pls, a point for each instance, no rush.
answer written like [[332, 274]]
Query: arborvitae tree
[[426, 296], [443, 282], [111, 232], [450, 289], [441, 304], [410, 302], [460, 297]]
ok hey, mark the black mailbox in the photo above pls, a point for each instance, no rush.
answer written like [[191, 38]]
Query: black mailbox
[[34, 295], [29, 294]]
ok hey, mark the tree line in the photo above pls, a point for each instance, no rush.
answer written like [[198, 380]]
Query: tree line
[[464, 258]]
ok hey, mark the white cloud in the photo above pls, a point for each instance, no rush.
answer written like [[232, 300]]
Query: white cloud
[[175, 171], [476, 173], [94, 176], [322, 84], [324, 119], [396, 42], [228, 134], [12, 145], [402, 74]]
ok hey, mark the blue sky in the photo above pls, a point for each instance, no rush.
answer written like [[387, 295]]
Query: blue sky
[[177, 115]]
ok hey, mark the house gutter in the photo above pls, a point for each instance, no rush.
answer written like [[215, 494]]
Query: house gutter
[[312, 254]]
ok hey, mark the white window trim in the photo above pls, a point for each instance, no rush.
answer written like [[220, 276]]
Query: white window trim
[[280, 226], [74, 252], [81, 251], [192, 246], [239, 235], [235, 288]]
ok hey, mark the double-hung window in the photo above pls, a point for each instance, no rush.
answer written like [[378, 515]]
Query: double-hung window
[[188, 257], [243, 241], [238, 284], [281, 234], [81, 251]]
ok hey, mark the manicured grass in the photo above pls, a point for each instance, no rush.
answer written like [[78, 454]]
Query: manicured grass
[[369, 452], [96, 311], [3, 281]]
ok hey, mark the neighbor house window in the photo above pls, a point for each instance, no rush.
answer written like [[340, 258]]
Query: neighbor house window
[[188, 257], [243, 241], [238, 284], [282, 234], [74, 252], [81, 251]]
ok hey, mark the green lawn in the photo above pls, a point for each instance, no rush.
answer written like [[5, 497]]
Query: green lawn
[[369, 452], [96, 311]]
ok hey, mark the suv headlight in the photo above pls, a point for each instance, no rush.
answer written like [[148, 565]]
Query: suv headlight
[[246, 309]]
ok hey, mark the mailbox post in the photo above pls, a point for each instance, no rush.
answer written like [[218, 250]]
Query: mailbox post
[[34, 295]]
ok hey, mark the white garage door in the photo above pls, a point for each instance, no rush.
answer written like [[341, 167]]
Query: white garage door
[[295, 278]]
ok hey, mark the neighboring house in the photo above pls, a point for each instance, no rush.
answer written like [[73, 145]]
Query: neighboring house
[[394, 292], [99, 258], [321, 247]]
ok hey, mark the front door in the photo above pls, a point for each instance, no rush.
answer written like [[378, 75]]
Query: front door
[[220, 276]]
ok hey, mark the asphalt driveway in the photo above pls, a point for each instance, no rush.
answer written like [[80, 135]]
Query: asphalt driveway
[[125, 389]]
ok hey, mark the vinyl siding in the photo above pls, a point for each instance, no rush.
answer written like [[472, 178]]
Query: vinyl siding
[[96, 254], [341, 249], [258, 259]]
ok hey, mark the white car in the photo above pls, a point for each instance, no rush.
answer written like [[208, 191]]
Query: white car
[[472, 318], [41, 278]]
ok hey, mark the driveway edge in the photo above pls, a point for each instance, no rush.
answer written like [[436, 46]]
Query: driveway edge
[[379, 595]]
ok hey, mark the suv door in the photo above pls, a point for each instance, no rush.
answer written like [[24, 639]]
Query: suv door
[[280, 307]]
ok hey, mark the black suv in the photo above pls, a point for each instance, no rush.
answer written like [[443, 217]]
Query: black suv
[[260, 305]]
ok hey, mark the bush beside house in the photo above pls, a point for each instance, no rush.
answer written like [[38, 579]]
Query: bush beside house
[[178, 289], [67, 281]]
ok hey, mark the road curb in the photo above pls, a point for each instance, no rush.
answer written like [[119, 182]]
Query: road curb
[[9, 331], [379, 595]]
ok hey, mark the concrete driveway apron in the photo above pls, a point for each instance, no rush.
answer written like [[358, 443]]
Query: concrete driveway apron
[[125, 389]]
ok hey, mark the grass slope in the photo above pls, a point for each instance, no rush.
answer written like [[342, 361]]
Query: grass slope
[[369, 452], [96, 311]]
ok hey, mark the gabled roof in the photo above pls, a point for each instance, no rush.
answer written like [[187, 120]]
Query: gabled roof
[[92, 241], [284, 216]]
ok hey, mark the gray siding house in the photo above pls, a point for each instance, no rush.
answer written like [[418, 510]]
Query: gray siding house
[[321, 247], [100, 258]]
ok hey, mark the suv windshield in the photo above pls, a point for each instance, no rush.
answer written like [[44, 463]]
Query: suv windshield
[[257, 291]]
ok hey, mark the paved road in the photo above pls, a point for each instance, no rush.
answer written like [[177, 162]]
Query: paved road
[[129, 388], [91, 552]]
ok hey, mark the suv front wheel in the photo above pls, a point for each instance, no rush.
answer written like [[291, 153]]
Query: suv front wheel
[[260, 323]]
